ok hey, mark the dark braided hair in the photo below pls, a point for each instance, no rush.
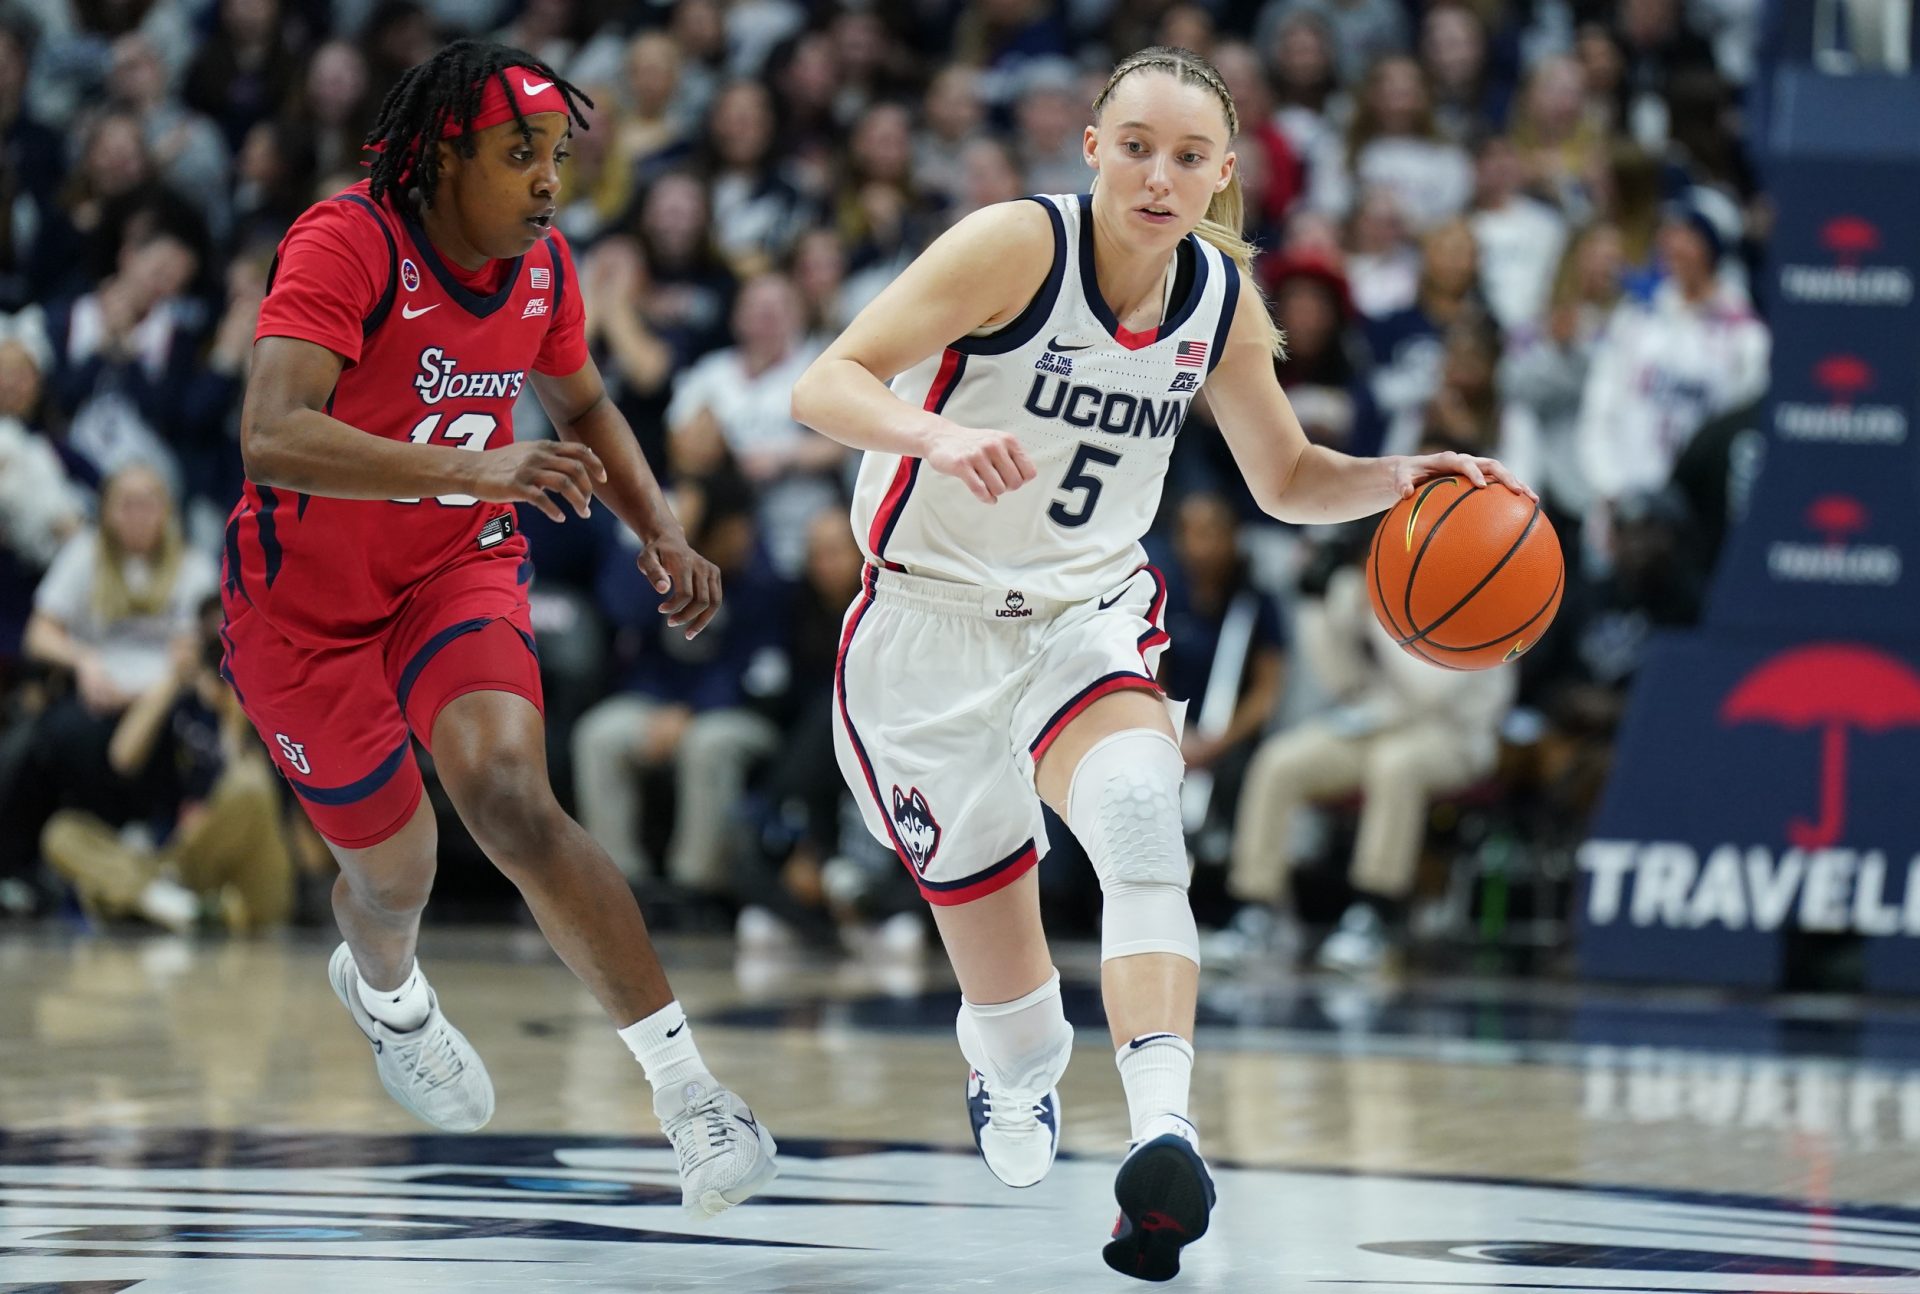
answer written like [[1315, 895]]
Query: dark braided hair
[[446, 88]]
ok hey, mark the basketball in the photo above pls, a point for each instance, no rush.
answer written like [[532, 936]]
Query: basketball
[[1464, 577]]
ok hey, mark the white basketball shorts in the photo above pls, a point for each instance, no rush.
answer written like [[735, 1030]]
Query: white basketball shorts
[[947, 696]]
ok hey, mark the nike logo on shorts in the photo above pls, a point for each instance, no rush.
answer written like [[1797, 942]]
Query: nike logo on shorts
[[1107, 602], [408, 312]]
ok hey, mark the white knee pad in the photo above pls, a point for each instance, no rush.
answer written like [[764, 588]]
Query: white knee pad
[[1124, 806], [1018, 1046]]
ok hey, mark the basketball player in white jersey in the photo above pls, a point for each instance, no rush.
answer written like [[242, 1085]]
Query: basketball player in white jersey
[[1017, 391]]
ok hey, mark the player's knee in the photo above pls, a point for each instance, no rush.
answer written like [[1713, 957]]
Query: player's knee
[[1124, 806], [395, 888], [512, 814]]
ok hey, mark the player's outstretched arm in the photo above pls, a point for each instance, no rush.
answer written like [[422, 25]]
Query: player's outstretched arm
[[1290, 477], [982, 271], [583, 413], [288, 440]]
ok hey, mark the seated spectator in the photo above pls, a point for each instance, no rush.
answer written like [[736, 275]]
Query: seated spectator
[[1520, 237], [637, 353], [1665, 366], [240, 73], [1311, 106], [1324, 368], [215, 810], [1469, 94], [735, 403], [653, 131], [1262, 137], [990, 173], [335, 106], [40, 507], [1360, 32], [1382, 263], [691, 289], [1401, 732], [188, 151], [1049, 121], [1466, 413], [1394, 144], [818, 268], [757, 211], [1408, 348], [953, 112], [1559, 141], [598, 185], [682, 704], [109, 611], [1226, 661], [124, 356], [1545, 368]]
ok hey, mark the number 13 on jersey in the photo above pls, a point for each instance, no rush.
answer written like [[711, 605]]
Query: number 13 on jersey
[[468, 431]]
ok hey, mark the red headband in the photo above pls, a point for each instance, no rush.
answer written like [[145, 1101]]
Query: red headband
[[531, 91]]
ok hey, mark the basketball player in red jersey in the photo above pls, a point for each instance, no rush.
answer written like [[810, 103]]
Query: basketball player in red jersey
[[376, 588]]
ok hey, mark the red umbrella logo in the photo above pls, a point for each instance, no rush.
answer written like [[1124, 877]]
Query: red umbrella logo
[[1834, 687], [1837, 516], [1849, 238], [1844, 376]]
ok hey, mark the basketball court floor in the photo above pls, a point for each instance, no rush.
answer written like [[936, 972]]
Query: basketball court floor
[[202, 1118]]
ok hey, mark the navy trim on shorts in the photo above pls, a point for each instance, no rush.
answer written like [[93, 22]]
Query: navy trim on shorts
[[1126, 678], [527, 638], [353, 792], [1026, 325], [226, 665], [1014, 859], [846, 715], [269, 531], [234, 580], [411, 674], [1228, 304]]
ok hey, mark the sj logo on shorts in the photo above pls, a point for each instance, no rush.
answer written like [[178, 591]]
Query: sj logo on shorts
[[295, 751], [914, 826]]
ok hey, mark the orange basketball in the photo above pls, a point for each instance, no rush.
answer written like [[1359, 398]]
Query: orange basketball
[[1464, 577]]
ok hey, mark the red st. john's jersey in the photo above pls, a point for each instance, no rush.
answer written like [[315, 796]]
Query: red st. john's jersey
[[434, 354]]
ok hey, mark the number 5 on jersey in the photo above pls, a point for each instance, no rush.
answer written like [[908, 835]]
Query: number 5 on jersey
[[468, 431], [1080, 479]]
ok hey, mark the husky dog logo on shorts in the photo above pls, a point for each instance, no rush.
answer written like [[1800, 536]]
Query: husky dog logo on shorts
[[1016, 608], [919, 833]]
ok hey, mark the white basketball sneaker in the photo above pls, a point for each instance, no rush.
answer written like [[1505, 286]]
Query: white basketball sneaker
[[1017, 1135], [725, 1154], [432, 1071]]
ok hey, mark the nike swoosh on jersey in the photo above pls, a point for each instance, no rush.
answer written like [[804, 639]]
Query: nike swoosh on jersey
[[534, 87], [1054, 345], [408, 312]]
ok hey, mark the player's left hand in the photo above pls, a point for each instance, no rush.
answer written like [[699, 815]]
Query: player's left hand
[[1410, 470], [690, 581]]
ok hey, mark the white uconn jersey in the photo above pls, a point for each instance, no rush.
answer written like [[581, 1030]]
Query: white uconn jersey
[[1097, 408]]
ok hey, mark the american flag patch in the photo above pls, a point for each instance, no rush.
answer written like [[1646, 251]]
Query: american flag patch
[[543, 280], [1190, 354]]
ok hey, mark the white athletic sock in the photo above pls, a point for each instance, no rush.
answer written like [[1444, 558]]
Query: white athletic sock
[[1156, 1069], [663, 1044], [1023, 1045], [403, 1009]]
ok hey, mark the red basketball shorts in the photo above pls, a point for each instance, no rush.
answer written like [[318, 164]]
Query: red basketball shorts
[[337, 719]]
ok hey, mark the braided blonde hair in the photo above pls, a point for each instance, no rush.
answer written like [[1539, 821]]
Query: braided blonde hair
[[1226, 211]]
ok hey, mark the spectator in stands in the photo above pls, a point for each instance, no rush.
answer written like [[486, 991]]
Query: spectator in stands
[[1407, 347], [683, 704], [654, 132], [240, 74], [1520, 238], [1401, 732], [335, 106], [1395, 145], [1658, 47], [109, 612], [1469, 99], [1382, 263], [187, 150], [40, 507], [1665, 366], [35, 243], [124, 357], [599, 184], [1559, 141], [691, 287], [271, 182], [734, 403], [1050, 117], [990, 173], [1544, 372], [1261, 134], [1227, 661], [1362, 32], [819, 270], [757, 212], [1313, 109], [214, 808], [1324, 368], [636, 352], [954, 114]]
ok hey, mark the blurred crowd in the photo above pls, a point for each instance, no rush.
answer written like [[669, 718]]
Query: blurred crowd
[[1513, 227]]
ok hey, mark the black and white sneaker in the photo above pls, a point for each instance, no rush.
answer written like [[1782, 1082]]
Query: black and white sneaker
[[1166, 1197]]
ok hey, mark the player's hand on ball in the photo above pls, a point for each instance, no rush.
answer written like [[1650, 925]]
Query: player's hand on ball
[[1410, 470], [989, 463], [693, 582], [533, 472]]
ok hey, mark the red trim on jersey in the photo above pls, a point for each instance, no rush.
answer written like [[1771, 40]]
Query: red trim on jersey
[[1135, 340], [952, 365]]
